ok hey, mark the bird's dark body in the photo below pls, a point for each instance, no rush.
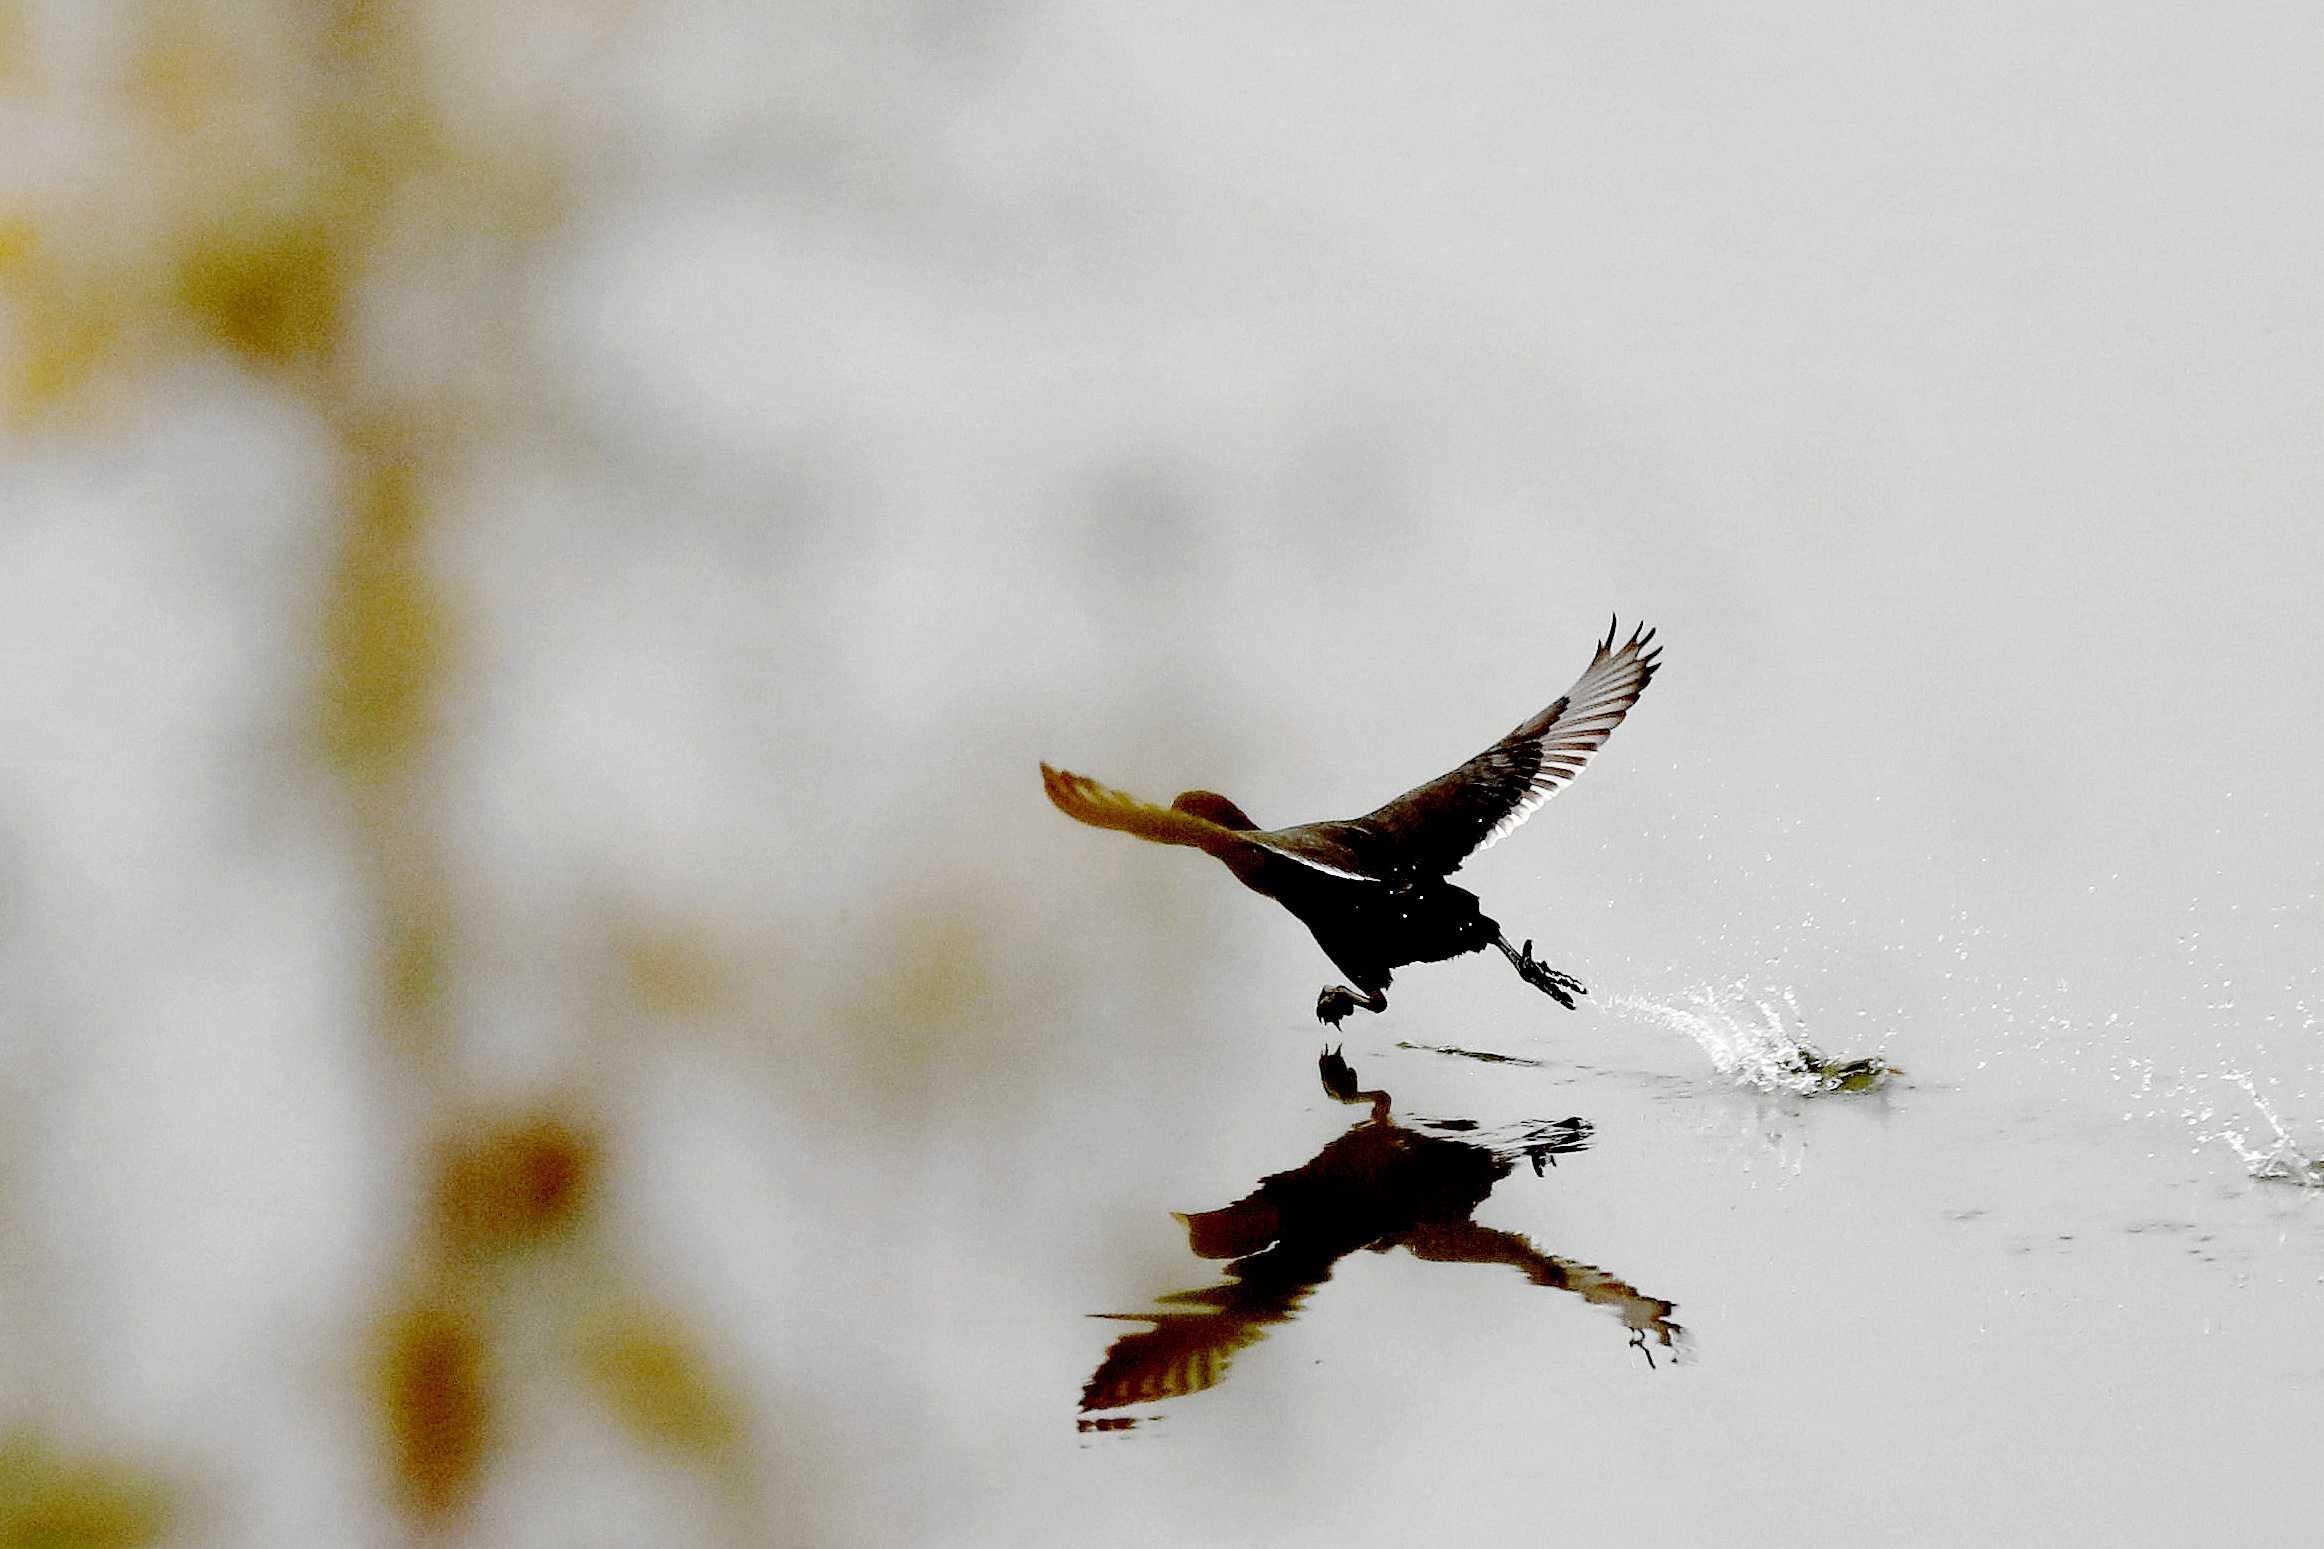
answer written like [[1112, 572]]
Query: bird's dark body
[[1369, 929], [1373, 890]]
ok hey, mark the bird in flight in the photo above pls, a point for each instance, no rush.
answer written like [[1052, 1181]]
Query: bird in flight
[[1373, 890]]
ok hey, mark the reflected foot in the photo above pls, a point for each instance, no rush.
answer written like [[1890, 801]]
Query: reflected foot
[[1339, 1077], [1560, 987]]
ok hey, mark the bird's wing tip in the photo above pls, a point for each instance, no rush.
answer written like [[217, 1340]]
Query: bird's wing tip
[[1640, 638]]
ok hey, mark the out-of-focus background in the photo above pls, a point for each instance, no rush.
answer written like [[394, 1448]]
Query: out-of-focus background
[[540, 1001]]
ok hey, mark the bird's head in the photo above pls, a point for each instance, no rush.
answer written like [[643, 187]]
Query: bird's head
[[1212, 807]]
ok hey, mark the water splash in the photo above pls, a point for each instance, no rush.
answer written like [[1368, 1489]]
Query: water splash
[[2281, 1159], [1752, 1035]]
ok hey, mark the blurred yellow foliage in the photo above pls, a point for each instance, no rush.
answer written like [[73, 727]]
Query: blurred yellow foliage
[[53, 1502], [386, 628], [272, 157], [937, 966], [17, 237], [909, 1010], [412, 965], [271, 291], [678, 971], [68, 321], [184, 74], [656, 1382], [15, 43]]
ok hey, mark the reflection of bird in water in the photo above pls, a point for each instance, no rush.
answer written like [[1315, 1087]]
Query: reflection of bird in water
[[1380, 1185], [1372, 889]]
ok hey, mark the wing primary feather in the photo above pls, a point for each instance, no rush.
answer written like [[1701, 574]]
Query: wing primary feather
[[1452, 817]]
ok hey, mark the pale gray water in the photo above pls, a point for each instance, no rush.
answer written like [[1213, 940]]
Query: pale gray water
[[1973, 1303], [823, 413], [1912, 1316]]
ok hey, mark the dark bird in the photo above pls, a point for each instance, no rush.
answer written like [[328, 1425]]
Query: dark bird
[[1382, 1185], [1372, 889]]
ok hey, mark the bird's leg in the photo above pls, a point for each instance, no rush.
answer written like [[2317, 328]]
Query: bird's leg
[[1337, 1000], [1560, 987]]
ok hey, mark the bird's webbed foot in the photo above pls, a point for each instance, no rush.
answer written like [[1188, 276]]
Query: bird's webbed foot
[[1336, 1000], [1558, 986]]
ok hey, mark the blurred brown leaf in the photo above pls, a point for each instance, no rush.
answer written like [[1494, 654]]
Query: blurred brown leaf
[[515, 1182], [435, 1394], [649, 1372]]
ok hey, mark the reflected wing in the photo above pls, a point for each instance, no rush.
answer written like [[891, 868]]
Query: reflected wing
[[1466, 1242], [1444, 822], [1644, 1315], [1184, 1352], [1101, 806]]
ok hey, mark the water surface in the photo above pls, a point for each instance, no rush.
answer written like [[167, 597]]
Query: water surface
[[1963, 1303]]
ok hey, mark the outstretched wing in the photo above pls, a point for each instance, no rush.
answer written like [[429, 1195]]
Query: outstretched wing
[[1184, 1352], [1467, 1242], [1441, 824], [1101, 806]]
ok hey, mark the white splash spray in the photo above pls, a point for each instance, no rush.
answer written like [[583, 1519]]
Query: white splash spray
[[2282, 1158], [1752, 1035]]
